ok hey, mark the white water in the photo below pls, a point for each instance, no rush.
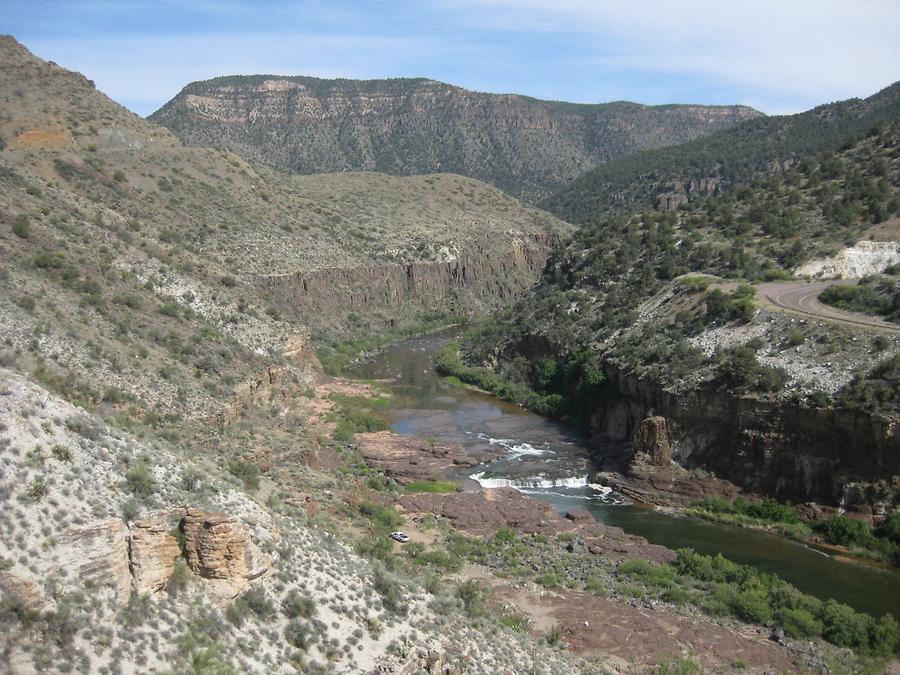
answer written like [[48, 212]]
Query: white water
[[538, 481], [516, 450]]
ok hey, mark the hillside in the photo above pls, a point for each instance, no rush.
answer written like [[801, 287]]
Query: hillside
[[654, 314], [71, 155], [668, 177], [169, 472], [524, 146]]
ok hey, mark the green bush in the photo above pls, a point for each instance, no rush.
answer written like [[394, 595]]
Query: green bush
[[846, 531], [752, 605], [139, 479], [20, 227], [384, 518], [247, 472], [799, 623], [298, 605], [844, 627]]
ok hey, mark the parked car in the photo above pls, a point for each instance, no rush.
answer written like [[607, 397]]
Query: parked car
[[402, 537]]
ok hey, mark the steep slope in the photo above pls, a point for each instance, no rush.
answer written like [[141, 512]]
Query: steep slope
[[654, 315], [667, 177], [525, 146], [168, 477], [73, 156]]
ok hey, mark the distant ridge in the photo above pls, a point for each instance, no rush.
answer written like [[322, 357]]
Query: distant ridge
[[523, 145], [665, 177]]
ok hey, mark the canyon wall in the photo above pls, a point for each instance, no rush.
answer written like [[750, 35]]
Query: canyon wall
[[837, 457], [485, 276]]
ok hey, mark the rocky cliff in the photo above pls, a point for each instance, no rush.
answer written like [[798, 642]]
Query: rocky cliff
[[526, 146], [831, 456], [483, 276]]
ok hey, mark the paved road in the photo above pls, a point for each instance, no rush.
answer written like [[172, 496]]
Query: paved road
[[801, 297]]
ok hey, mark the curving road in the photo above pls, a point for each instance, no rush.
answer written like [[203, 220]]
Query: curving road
[[801, 297]]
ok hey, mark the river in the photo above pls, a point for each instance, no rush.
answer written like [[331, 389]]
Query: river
[[551, 462]]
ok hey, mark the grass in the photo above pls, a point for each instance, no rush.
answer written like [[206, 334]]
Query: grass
[[434, 486]]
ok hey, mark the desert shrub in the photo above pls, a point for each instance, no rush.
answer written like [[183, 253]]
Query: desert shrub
[[298, 605], [181, 576], [61, 452], [298, 634], [470, 594], [37, 489], [390, 591], [139, 479], [247, 472]]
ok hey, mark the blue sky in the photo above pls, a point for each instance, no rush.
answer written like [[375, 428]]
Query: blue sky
[[776, 55]]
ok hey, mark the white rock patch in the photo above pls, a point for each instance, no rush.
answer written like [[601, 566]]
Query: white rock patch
[[862, 260]]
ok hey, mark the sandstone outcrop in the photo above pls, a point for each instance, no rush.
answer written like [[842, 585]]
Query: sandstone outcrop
[[153, 551], [25, 591], [96, 553], [410, 459], [218, 548]]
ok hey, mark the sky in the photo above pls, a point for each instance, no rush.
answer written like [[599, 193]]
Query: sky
[[779, 56]]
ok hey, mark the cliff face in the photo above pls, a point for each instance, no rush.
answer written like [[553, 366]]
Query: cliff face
[[482, 277], [414, 126], [835, 457]]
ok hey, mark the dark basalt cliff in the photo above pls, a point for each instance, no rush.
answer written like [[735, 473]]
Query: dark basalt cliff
[[483, 277], [837, 457], [526, 146]]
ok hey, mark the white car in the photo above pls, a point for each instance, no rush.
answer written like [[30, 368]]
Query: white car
[[402, 537]]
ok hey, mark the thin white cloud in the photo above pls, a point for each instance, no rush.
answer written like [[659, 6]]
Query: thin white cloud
[[151, 70], [819, 50]]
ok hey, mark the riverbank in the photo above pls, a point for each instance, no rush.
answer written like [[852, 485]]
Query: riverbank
[[567, 575]]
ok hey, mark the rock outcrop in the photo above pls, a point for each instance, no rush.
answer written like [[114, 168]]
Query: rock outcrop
[[153, 551], [23, 590], [484, 276], [97, 553], [772, 447], [217, 548], [653, 438], [407, 459]]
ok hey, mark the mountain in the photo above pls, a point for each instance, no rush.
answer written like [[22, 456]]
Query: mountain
[[687, 315], [525, 146], [670, 176]]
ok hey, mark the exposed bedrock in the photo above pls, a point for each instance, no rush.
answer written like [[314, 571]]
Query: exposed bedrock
[[480, 278], [837, 457]]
